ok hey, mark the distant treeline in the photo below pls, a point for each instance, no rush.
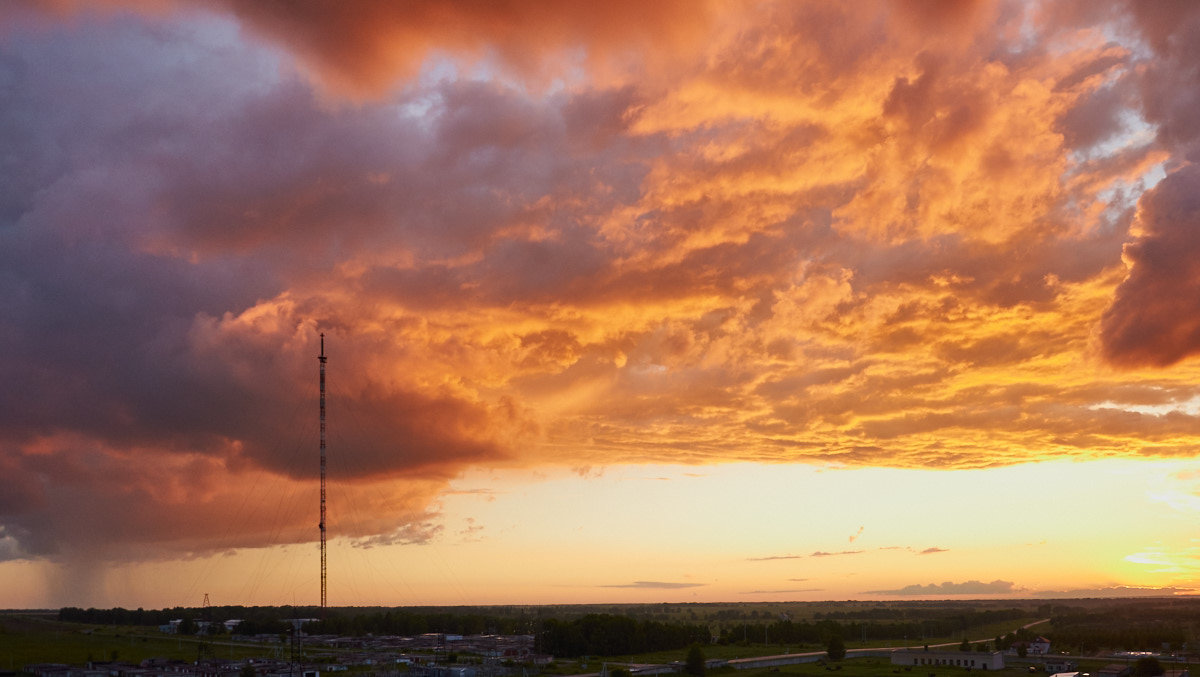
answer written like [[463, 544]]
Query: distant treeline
[[1146, 626], [255, 620], [935, 623], [610, 635], [333, 621], [417, 622], [963, 617]]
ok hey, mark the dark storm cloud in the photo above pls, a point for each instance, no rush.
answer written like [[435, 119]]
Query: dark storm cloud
[[150, 212], [1155, 318], [1152, 319]]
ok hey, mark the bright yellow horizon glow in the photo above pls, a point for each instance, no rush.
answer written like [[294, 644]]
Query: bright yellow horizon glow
[[737, 532]]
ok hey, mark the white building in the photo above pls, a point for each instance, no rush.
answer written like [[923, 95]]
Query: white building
[[976, 660]]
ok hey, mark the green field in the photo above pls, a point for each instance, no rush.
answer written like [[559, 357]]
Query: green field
[[850, 667], [26, 639], [869, 667]]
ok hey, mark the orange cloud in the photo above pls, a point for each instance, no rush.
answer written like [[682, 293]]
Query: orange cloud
[[809, 233], [367, 48]]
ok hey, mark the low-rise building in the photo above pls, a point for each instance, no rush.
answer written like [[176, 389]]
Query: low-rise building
[[976, 660]]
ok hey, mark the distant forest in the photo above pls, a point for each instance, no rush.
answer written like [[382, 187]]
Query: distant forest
[[611, 630]]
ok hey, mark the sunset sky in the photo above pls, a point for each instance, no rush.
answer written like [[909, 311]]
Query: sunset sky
[[625, 301]]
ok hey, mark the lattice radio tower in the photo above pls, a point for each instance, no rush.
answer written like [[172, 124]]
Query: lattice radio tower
[[321, 357]]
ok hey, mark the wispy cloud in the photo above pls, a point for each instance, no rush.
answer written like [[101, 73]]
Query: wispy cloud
[[1113, 591], [781, 591], [854, 536], [930, 551], [820, 553], [654, 585], [769, 558], [471, 532], [416, 533]]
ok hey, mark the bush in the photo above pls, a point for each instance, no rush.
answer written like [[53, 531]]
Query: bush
[[836, 649], [1147, 666]]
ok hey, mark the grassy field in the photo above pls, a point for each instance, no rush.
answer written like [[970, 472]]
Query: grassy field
[[32, 639], [753, 649], [851, 667]]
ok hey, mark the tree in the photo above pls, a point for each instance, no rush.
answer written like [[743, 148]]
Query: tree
[[695, 661], [965, 646], [248, 671], [1147, 666], [836, 649]]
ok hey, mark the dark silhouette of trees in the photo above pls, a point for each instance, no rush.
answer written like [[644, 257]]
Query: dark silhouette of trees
[[694, 665], [612, 635]]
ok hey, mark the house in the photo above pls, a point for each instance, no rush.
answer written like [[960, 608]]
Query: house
[[1059, 665], [1039, 646]]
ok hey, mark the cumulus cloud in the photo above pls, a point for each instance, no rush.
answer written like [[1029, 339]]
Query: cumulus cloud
[[971, 587]]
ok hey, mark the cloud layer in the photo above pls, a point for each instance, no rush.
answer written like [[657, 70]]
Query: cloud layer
[[785, 232]]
